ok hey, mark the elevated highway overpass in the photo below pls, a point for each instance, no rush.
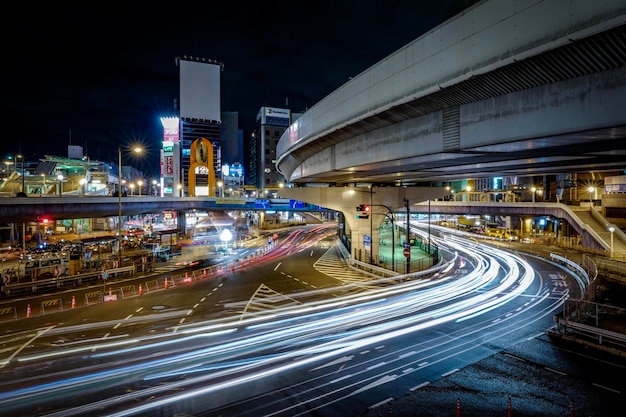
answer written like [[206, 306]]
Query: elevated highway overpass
[[29, 209], [503, 89], [524, 88]]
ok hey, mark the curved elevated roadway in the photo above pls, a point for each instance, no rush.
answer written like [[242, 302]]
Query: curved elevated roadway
[[502, 89]]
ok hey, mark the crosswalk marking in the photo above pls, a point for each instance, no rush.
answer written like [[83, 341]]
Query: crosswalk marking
[[333, 264]]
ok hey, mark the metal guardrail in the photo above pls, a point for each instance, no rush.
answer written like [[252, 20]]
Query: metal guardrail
[[59, 282], [573, 266], [601, 336]]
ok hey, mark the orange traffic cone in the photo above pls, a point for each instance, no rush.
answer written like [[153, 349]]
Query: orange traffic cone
[[73, 301], [140, 289], [166, 284], [28, 311]]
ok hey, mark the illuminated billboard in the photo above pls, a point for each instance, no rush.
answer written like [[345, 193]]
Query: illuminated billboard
[[170, 129], [199, 89], [274, 116]]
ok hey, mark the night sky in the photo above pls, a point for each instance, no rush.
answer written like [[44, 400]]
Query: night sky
[[100, 78]]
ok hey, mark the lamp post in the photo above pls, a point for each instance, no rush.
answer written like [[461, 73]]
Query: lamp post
[[591, 190], [23, 179], [408, 235], [60, 178], [119, 200], [83, 185], [139, 186], [533, 190], [611, 229]]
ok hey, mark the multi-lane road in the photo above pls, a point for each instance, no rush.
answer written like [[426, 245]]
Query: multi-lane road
[[294, 332]]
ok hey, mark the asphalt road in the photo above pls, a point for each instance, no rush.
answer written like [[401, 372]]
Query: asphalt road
[[537, 378], [541, 377]]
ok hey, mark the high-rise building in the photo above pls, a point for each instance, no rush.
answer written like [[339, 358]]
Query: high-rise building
[[231, 140], [200, 121], [271, 122]]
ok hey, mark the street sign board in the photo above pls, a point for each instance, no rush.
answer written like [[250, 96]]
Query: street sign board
[[407, 252]]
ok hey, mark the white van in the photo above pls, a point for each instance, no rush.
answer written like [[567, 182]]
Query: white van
[[154, 247], [161, 253]]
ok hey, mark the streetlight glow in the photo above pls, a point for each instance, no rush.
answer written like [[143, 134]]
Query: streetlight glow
[[611, 229], [591, 190], [60, 178], [136, 149], [83, 184], [23, 179]]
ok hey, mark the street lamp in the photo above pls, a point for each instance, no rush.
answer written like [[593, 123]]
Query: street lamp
[[591, 190], [60, 178], [23, 179], [139, 185], [83, 185], [533, 190], [611, 229], [119, 199], [180, 190], [220, 184]]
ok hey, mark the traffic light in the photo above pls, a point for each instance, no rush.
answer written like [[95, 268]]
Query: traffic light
[[364, 209]]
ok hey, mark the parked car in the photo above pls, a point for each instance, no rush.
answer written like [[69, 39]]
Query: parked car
[[10, 253]]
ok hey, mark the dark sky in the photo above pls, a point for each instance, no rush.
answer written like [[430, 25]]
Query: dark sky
[[100, 76]]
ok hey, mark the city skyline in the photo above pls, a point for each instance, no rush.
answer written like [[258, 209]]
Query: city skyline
[[101, 84]]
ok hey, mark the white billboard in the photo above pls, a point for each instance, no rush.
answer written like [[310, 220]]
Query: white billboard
[[199, 90]]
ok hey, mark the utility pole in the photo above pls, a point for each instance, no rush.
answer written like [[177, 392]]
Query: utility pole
[[408, 240], [371, 229], [429, 225]]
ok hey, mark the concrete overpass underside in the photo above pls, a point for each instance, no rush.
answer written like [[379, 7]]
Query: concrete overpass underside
[[383, 202], [476, 99]]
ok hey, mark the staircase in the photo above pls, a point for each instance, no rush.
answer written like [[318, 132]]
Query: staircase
[[600, 226]]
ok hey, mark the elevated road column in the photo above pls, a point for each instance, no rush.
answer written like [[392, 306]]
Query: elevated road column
[[379, 199]]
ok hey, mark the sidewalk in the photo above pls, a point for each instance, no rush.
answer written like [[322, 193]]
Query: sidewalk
[[389, 251]]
